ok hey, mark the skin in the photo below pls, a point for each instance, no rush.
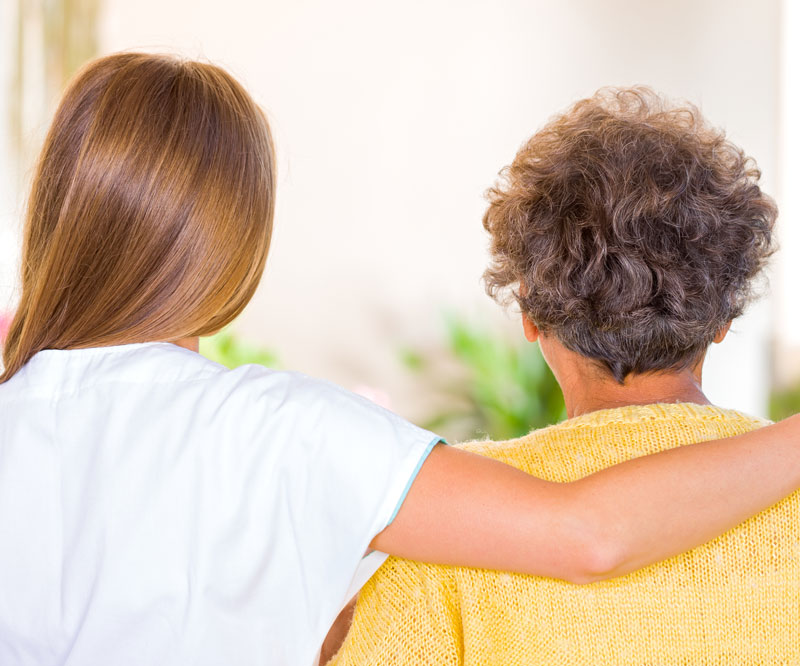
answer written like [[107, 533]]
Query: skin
[[192, 344], [587, 387], [604, 525], [607, 524]]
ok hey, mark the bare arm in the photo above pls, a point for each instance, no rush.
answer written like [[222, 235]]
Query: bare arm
[[467, 510], [338, 632]]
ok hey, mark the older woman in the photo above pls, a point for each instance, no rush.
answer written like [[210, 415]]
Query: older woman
[[634, 232]]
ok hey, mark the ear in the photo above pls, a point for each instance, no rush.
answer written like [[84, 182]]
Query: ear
[[720, 336], [531, 329]]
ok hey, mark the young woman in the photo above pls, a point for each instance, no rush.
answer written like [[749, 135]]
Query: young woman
[[157, 508]]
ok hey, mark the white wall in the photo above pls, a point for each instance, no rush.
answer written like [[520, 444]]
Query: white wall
[[393, 118], [787, 312], [9, 177]]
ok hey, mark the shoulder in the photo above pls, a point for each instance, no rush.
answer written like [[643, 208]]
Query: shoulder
[[162, 381], [629, 418], [521, 452], [586, 443]]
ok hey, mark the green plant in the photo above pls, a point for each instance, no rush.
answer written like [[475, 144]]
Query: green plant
[[229, 350], [784, 403], [504, 389]]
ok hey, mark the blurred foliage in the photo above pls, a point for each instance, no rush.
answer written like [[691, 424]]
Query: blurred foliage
[[784, 403], [231, 351], [505, 390]]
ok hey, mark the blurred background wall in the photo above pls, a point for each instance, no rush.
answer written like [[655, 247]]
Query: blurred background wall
[[391, 120]]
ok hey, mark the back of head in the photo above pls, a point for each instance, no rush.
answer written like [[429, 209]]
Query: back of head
[[150, 212], [634, 230]]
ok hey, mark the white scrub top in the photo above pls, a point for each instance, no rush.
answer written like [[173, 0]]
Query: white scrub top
[[157, 508]]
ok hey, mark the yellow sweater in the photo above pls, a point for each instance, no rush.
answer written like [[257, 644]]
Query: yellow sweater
[[733, 601]]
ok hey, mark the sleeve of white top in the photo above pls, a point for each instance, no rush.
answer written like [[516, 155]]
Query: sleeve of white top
[[341, 467], [363, 455]]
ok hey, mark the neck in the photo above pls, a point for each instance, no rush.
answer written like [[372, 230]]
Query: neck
[[590, 389], [192, 344]]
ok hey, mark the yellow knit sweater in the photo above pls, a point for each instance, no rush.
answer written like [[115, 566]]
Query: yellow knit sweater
[[733, 601]]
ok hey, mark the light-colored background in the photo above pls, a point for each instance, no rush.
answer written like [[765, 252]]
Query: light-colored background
[[392, 119]]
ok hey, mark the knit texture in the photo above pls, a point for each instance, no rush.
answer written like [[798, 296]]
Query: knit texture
[[733, 601]]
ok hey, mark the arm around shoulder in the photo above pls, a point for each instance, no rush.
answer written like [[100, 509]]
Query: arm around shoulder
[[471, 511]]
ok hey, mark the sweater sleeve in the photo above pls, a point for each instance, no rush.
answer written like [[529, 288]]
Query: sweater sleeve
[[408, 613]]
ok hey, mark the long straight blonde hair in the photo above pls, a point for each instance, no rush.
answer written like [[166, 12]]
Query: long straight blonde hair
[[150, 212]]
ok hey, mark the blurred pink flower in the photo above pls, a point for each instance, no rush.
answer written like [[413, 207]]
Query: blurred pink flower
[[5, 323], [376, 395]]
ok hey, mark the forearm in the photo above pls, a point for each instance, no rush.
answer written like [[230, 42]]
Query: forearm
[[654, 507], [471, 511]]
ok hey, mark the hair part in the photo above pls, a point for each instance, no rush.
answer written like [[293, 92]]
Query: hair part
[[635, 229], [150, 212]]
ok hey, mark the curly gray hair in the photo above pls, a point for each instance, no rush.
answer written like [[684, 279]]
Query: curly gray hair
[[635, 228]]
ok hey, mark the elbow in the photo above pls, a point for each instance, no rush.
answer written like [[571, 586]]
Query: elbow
[[599, 558], [599, 545]]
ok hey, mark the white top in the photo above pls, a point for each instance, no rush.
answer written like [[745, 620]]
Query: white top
[[157, 508]]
